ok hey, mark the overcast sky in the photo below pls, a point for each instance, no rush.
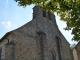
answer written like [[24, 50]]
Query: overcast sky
[[12, 17]]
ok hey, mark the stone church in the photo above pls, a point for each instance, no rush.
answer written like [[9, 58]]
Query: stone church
[[39, 39], [76, 51]]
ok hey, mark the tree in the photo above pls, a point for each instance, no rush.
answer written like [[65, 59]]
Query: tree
[[68, 10]]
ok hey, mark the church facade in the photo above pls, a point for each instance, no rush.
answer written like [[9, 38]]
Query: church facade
[[39, 39]]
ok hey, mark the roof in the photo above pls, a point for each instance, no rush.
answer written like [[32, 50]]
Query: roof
[[5, 36], [77, 44]]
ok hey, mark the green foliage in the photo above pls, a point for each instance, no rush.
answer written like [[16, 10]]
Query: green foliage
[[68, 10]]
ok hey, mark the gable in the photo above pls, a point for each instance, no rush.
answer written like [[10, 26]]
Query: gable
[[77, 47]]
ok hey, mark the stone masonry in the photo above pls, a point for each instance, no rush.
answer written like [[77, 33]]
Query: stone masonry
[[76, 52], [39, 39]]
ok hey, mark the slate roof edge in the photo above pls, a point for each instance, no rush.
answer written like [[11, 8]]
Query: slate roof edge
[[77, 44], [5, 36]]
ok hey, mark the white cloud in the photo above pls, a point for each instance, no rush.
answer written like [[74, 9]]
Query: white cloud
[[3, 22], [7, 24]]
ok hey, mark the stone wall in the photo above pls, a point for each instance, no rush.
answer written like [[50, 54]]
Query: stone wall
[[75, 54], [37, 40], [3, 48], [78, 50]]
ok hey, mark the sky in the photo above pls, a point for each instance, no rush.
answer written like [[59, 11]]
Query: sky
[[13, 16]]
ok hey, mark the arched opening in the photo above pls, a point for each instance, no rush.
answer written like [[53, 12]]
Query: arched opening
[[49, 15], [52, 55], [44, 14], [59, 44]]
